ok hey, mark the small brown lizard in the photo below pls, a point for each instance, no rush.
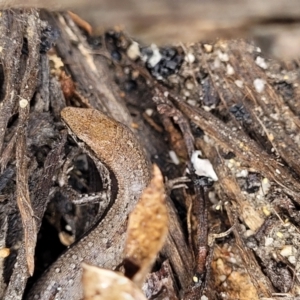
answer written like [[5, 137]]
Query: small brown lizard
[[109, 141]]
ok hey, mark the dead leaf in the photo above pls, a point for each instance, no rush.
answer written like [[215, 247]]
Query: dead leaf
[[147, 230], [67, 85], [248, 213], [102, 284], [23, 198], [81, 23], [232, 278], [69, 90]]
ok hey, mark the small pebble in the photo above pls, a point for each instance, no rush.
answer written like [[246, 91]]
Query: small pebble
[[229, 70], [259, 85], [68, 228], [186, 93], [287, 250], [23, 103], [190, 58], [135, 74], [189, 85], [249, 233], [261, 62], [271, 137], [223, 56], [174, 157], [207, 108], [292, 259], [149, 112], [242, 173], [239, 83], [133, 51], [232, 260], [268, 241], [266, 211], [203, 167], [276, 117], [265, 183], [208, 48], [156, 56], [192, 102], [217, 63], [218, 207]]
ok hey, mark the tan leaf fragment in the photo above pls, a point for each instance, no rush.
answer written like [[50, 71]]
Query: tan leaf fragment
[[102, 284], [232, 279], [24, 203], [249, 215], [81, 23], [147, 229]]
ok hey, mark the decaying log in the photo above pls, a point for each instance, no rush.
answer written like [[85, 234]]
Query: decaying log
[[225, 99]]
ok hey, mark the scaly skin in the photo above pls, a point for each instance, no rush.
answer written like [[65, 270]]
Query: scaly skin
[[115, 146]]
